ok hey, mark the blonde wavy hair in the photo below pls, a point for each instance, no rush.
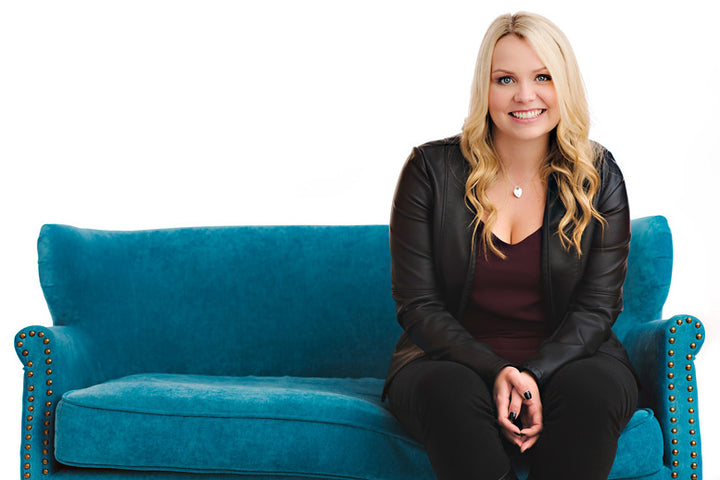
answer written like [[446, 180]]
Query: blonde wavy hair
[[571, 155]]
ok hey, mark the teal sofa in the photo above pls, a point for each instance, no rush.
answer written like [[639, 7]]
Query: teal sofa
[[251, 353]]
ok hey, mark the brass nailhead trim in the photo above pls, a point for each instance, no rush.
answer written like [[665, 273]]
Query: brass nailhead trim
[[693, 443], [692, 432], [671, 352], [674, 475], [671, 386], [672, 340], [671, 364], [688, 320], [689, 356], [31, 398], [671, 398], [693, 454], [671, 375], [698, 325], [672, 409], [689, 378], [673, 431], [674, 441], [699, 336], [679, 322], [675, 463], [675, 452], [691, 410], [691, 399], [690, 388], [688, 367], [692, 345]]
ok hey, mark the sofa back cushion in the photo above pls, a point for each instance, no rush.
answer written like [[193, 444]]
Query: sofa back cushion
[[269, 301], [272, 301], [650, 264]]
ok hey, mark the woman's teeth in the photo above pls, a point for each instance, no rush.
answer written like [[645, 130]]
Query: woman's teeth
[[527, 115]]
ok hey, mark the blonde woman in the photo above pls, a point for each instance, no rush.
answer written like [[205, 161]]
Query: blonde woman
[[509, 245]]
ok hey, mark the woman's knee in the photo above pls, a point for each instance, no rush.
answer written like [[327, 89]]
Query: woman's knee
[[440, 386], [600, 386]]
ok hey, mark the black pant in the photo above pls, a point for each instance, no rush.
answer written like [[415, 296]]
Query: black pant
[[448, 408]]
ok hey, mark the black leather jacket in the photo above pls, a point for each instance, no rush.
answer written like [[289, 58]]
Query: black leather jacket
[[433, 266]]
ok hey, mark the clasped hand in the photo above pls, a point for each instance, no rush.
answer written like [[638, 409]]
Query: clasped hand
[[517, 396]]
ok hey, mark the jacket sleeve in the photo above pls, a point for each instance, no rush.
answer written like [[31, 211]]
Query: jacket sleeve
[[597, 298], [421, 307]]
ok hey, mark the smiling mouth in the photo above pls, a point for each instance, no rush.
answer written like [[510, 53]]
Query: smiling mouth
[[528, 114]]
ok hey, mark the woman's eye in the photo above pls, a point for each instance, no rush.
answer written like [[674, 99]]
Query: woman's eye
[[504, 80], [543, 77]]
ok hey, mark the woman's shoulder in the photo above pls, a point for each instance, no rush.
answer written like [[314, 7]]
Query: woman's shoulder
[[604, 159], [606, 164], [440, 151], [453, 141], [611, 177]]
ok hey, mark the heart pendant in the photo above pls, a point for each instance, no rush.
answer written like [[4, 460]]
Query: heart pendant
[[517, 191]]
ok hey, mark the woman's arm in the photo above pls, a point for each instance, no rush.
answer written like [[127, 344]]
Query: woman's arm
[[421, 308]]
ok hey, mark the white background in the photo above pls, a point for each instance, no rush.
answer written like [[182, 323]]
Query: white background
[[142, 114]]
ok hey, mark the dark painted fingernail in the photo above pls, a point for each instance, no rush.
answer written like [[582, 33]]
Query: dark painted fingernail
[[527, 395], [512, 416]]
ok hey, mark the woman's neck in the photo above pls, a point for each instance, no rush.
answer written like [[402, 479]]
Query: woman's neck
[[522, 157]]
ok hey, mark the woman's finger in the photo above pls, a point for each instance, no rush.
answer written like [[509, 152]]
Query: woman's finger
[[515, 407]]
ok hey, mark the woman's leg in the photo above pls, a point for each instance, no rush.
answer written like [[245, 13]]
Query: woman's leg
[[586, 404], [448, 408]]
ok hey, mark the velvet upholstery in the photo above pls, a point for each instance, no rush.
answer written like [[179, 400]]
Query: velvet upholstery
[[259, 353]]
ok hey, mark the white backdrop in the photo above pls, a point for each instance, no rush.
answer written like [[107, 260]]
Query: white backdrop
[[143, 114]]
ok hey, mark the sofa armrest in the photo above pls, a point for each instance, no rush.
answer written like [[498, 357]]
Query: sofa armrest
[[663, 353], [55, 360]]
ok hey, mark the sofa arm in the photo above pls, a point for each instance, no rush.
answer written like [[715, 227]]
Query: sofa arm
[[55, 360], [663, 353]]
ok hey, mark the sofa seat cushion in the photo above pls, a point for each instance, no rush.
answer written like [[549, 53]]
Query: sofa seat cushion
[[274, 426], [295, 426], [640, 447]]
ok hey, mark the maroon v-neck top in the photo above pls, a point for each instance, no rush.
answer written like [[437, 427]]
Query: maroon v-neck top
[[506, 309]]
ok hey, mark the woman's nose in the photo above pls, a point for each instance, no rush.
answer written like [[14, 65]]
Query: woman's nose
[[525, 92]]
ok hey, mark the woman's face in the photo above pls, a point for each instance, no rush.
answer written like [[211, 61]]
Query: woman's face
[[522, 100]]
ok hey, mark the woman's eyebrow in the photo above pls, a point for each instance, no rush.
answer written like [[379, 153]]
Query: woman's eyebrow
[[503, 70]]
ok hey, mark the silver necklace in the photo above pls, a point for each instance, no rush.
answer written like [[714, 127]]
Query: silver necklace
[[517, 189]]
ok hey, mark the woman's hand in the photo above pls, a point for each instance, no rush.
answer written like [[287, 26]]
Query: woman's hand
[[517, 396]]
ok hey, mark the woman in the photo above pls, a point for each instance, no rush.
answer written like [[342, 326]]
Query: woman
[[509, 246]]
